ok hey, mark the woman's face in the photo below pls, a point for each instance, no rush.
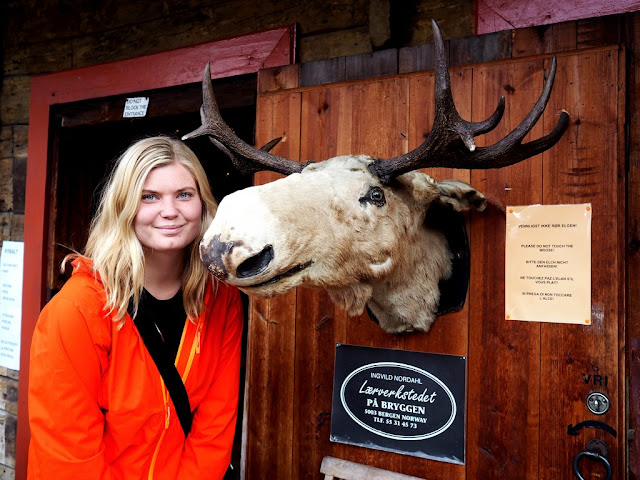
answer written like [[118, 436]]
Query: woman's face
[[170, 211]]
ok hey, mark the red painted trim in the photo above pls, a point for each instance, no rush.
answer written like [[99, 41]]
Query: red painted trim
[[496, 15], [234, 56]]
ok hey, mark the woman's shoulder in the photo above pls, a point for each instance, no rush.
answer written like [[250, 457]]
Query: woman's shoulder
[[74, 323], [83, 289], [80, 302]]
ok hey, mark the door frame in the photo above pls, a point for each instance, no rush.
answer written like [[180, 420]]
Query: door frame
[[234, 56]]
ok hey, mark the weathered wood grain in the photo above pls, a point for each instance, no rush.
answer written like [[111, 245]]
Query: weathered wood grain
[[367, 65], [319, 323], [449, 333], [277, 78], [319, 72], [384, 105], [585, 168], [418, 58], [544, 39], [632, 250], [503, 376], [272, 329], [520, 398], [480, 48]]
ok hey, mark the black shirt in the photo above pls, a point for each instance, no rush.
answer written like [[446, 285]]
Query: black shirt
[[160, 323], [167, 316]]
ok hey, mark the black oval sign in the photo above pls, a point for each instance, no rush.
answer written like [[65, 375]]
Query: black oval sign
[[398, 401]]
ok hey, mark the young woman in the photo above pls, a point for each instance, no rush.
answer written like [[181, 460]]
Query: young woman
[[139, 329]]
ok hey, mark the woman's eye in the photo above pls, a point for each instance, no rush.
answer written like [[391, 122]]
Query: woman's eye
[[148, 196], [185, 195]]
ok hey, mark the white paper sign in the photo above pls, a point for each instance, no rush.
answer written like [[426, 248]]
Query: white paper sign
[[135, 107], [11, 268], [548, 263]]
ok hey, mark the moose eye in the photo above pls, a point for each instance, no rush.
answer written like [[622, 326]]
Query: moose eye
[[375, 196]]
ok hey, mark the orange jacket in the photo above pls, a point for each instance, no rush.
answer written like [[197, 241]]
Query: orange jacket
[[98, 408]]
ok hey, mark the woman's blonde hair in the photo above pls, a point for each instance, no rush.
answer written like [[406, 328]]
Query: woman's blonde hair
[[113, 247]]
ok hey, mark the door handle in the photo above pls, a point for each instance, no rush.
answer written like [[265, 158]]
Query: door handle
[[594, 457]]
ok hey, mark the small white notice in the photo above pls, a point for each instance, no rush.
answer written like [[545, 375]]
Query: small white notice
[[548, 263], [11, 268], [135, 107]]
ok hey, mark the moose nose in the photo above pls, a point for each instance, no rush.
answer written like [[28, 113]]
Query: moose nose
[[256, 264], [211, 254], [224, 258]]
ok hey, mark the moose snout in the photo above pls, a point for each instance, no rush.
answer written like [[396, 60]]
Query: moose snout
[[211, 254], [255, 264], [225, 259]]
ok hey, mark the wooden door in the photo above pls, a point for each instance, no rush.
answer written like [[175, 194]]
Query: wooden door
[[526, 381]]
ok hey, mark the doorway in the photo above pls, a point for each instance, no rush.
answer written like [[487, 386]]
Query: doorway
[[89, 136]]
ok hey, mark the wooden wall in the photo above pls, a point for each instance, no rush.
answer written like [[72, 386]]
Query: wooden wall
[[60, 34], [525, 380]]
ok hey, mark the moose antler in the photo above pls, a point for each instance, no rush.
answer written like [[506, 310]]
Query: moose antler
[[245, 158], [450, 143]]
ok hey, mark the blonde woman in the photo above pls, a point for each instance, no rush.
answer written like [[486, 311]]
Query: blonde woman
[[135, 362]]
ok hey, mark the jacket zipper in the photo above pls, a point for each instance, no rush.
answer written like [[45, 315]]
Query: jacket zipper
[[195, 348], [167, 417]]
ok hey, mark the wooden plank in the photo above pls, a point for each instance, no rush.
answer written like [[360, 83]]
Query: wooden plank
[[503, 376], [449, 333], [623, 397], [584, 167], [599, 31], [494, 15], [417, 58], [480, 48], [368, 65], [278, 78], [320, 72], [544, 39], [632, 244], [272, 327], [385, 105], [319, 323], [344, 469], [379, 117]]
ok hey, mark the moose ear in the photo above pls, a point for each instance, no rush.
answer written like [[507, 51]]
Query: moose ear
[[461, 196]]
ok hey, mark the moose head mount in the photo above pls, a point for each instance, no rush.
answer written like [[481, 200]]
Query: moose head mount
[[354, 224]]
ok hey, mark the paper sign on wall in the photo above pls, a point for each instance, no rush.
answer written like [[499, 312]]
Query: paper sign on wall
[[548, 263], [11, 267], [135, 107]]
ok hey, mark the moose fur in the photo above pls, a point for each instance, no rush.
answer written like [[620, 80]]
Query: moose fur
[[362, 241]]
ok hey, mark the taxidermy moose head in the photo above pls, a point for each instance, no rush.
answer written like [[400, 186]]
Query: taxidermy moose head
[[355, 225]]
